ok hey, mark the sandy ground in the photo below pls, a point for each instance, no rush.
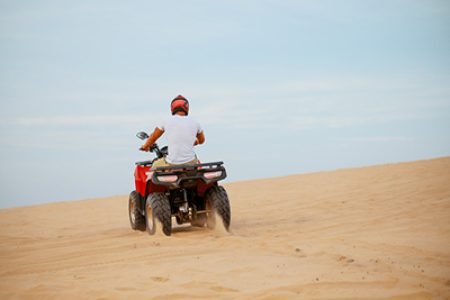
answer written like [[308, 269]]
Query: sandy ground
[[380, 232]]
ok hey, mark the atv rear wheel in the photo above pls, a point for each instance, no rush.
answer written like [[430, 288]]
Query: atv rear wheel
[[217, 202], [157, 208], [137, 220]]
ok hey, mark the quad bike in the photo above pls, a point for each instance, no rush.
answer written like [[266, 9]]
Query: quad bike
[[190, 193]]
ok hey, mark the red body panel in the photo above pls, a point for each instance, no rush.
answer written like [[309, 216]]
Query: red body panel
[[140, 179]]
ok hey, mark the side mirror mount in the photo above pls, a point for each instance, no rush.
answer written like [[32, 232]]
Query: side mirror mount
[[142, 135]]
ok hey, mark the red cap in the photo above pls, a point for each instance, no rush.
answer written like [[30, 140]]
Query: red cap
[[179, 103]]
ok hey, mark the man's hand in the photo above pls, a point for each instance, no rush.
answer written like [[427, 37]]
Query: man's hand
[[200, 139], [147, 148], [144, 148]]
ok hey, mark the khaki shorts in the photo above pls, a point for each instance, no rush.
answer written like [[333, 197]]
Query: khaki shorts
[[163, 163]]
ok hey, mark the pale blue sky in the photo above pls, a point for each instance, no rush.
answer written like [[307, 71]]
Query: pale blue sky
[[280, 87]]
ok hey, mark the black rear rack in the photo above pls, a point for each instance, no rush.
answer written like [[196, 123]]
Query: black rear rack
[[196, 167], [190, 173]]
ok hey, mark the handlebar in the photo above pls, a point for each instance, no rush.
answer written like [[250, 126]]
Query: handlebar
[[154, 148]]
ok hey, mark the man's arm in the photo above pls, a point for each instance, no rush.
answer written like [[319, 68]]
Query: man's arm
[[157, 133], [200, 138]]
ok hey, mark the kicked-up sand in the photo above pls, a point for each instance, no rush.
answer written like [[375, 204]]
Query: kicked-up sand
[[379, 232]]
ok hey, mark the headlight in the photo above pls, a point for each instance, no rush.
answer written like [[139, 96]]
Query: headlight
[[168, 178], [212, 175]]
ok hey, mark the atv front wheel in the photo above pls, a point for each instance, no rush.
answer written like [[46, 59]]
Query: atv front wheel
[[217, 202], [137, 220], [157, 208]]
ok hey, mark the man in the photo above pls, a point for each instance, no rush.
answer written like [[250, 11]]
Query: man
[[182, 132]]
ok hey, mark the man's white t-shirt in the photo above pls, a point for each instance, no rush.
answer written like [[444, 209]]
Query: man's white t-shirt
[[181, 133]]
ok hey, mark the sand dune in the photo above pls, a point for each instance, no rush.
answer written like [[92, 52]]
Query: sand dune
[[379, 232]]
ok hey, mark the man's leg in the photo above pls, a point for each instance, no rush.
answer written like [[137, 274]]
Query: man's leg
[[192, 162], [161, 162]]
